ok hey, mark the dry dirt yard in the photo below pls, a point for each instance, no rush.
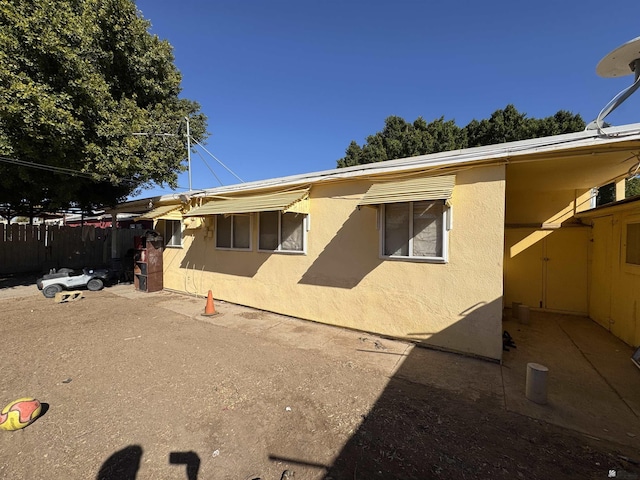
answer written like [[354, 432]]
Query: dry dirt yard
[[134, 390]]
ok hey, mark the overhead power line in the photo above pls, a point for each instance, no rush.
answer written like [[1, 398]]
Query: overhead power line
[[210, 169], [39, 166], [54, 169], [214, 157]]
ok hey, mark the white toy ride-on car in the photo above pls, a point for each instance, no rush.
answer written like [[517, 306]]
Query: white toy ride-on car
[[68, 279]]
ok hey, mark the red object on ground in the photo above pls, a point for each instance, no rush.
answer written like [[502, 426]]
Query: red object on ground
[[209, 309]]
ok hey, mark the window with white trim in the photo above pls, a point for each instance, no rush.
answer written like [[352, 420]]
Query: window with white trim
[[282, 232], [173, 233], [233, 232], [633, 244], [415, 230]]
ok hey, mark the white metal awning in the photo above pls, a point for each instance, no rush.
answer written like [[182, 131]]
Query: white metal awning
[[287, 201], [410, 190], [163, 212]]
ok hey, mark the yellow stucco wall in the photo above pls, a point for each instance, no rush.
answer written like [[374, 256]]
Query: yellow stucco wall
[[341, 280], [546, 251], [547, 269], [540, 206], [615, 285]]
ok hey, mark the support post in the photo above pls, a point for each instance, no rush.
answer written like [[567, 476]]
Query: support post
[[114, 235], [620, 189], [189, 151]]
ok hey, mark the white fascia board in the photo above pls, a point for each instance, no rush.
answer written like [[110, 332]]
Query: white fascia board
[[503, 151]]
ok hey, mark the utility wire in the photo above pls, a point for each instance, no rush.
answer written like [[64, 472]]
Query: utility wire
[[216, 159], [210, 169], [50, 168], [143, 134], [60, 170]]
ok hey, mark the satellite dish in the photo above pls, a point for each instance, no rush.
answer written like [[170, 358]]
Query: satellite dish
[[622, 61]]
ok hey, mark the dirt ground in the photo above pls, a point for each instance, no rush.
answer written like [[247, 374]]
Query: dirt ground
[[136, 391]]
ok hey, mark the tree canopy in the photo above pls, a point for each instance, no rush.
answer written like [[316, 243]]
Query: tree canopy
[[78, 80], [607, 193], [400, 139]]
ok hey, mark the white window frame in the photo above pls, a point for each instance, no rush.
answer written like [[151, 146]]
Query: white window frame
[[169, 238], [305, 228], [446, 226], [215, 233]]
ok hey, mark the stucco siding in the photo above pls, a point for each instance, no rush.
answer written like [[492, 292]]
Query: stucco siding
[[534, 206], [615, 284], [342, 280]]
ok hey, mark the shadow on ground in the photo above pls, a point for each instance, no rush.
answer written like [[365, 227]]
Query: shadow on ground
[[425, 430], [124, 464], [10, 281]]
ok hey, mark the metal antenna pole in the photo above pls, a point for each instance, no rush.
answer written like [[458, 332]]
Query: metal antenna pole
[[621, 97], [188, 151]]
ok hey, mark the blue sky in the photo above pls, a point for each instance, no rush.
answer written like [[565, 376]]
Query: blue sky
[[287, 84]]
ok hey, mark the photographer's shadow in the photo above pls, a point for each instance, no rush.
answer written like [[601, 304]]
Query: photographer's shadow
[[124, 464]]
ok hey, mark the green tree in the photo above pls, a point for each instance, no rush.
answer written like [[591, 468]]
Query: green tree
[[399, 139], [607, 193], [632, 187], [77, 79]]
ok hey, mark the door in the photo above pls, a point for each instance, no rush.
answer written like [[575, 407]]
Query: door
[[566, 270]]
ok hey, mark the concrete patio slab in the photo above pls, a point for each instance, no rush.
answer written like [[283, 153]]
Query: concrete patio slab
[[593, 387]]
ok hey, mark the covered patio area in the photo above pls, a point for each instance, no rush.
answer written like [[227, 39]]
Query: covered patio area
[[593, 386]]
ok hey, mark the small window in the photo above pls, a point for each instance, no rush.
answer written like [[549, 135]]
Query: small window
[[282, 232], [173, 233], [233, 232], [415, 230], [633, 244]]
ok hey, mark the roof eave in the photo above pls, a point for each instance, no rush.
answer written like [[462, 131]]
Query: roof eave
[[476, 155]]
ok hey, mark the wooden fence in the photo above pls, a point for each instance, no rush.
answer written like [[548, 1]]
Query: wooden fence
[[30, 248]]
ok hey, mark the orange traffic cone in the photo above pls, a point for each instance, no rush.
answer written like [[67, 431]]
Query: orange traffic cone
[[209, 309]]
